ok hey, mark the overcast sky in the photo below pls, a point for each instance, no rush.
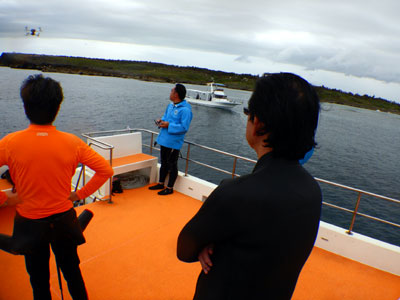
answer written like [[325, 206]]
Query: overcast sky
[[352, 45]]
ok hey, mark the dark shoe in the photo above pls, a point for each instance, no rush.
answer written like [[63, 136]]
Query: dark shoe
[[157, 187], [165, 191]]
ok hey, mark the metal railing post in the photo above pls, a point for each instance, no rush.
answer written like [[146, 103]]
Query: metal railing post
[[234, 167], [187, 160], [353, 219], [77, 183], [112, 177], [103, 146], [151, 144], [84, 180]]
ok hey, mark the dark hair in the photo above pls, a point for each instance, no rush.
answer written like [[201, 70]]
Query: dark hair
[[288, 106], [42, 98], [181, 90]]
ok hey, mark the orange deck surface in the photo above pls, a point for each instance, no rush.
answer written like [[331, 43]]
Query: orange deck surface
[[131, 254]]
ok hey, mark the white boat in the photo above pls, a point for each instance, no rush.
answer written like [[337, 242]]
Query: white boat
[[131, 242], [215, 97]]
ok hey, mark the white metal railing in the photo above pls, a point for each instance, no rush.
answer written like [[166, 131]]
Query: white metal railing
[[102, 145], [233, 173]]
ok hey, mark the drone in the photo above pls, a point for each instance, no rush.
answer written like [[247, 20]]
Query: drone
[[33, 31]]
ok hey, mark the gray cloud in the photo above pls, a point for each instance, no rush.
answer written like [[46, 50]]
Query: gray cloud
[[358, 37], [243, 58]]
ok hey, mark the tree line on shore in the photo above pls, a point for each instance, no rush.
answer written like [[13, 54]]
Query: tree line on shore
[[149, 71]]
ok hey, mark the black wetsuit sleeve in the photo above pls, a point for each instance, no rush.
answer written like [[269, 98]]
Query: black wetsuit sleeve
[[211, 224]]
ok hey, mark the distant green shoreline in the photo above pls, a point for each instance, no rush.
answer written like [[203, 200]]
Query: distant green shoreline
[[158, 72]]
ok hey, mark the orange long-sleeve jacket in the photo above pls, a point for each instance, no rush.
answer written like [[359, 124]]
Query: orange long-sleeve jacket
[[42, 161]]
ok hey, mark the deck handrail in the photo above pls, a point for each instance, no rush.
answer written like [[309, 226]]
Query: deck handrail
[[233, 173], [101, 145]]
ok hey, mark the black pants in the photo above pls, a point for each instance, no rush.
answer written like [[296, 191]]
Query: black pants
[[169, 165], [33, 238]]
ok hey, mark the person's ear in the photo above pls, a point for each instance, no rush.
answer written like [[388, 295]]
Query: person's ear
[[257, 125]]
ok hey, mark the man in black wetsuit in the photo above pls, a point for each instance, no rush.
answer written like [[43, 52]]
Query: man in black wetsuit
[[253, 234]]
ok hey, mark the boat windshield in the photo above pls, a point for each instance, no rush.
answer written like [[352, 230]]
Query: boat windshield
[[219, 96]]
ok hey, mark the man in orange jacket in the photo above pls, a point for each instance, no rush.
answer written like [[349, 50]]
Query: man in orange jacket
[[42, 161]]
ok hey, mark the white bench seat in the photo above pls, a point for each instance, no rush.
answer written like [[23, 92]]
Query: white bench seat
[[133, 162], [127, 156]]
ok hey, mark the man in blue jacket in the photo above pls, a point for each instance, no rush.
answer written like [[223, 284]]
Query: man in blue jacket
[[174, 125]]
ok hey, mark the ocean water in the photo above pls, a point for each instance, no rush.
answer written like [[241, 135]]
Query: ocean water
[[356, 147]]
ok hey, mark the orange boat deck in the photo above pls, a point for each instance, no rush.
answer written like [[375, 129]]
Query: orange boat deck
[[131, 254]]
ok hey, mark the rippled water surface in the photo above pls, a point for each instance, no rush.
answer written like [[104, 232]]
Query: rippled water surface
[[357, 147]]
